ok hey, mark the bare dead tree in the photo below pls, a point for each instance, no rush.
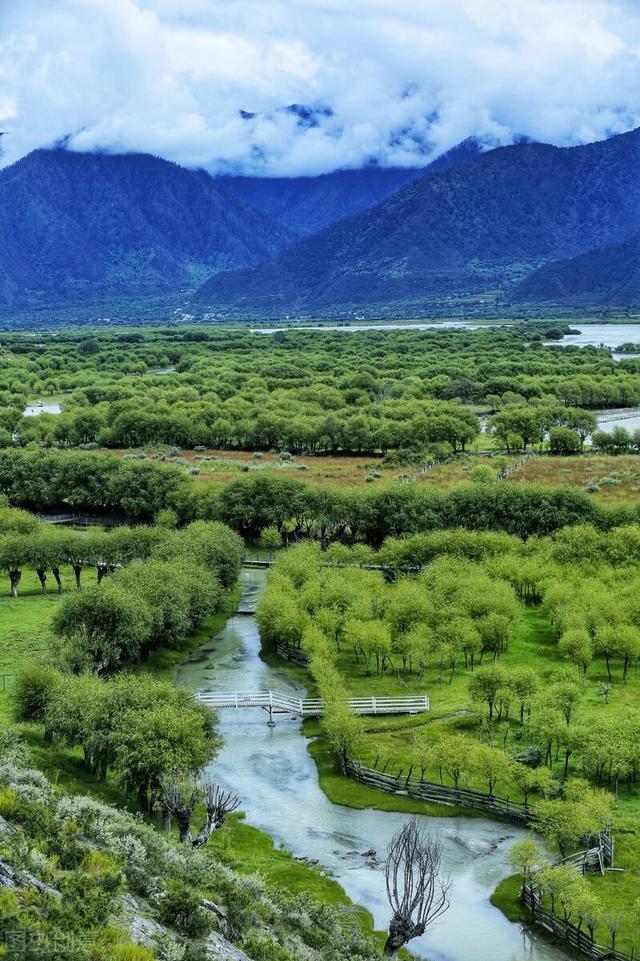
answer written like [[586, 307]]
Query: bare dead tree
[[417, 890], [219, 804], [179, 798]]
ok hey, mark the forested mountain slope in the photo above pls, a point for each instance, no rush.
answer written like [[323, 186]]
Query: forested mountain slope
[[306, 204], [473, 229], [607, 276], [84, 225]]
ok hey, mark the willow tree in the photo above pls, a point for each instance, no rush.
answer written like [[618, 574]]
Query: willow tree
[[179, 797], [418, 892]]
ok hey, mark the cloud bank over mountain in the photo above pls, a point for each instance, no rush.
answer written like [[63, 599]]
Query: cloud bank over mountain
[[301, 87]]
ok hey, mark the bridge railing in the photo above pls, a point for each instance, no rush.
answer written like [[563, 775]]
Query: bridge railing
[[311, 707], [239, 699]]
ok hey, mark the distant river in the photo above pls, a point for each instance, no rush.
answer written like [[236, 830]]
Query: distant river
[[607, 335], [356, 328], [33, 410], [628, 417]]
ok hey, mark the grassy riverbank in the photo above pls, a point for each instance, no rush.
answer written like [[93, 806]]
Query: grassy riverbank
[[250, 851], [25, 624]]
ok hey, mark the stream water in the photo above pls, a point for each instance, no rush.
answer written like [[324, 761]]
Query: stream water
[[274, 775], [33, 410]]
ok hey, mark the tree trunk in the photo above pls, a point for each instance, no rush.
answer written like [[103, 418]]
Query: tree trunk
[[184, 827], [42, 577], [401, 932], [77, 570], [14, 577], [56, 573]]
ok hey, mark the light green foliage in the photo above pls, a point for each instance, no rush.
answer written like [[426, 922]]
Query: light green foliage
[[104, 627], [582, 812], [526, 857], [270, 540], [526, 723]]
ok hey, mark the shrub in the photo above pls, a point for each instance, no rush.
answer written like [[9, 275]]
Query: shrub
[[131, 952], [265, 948], [32, 691], [180, 908], [8, 802], [531, 757]]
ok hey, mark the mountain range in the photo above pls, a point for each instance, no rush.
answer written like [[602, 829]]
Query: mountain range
[[528, 224], [605, 277], [307, 204], [88, 225], [471, 232]]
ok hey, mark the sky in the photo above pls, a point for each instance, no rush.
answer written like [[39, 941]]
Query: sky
[[207, 83]]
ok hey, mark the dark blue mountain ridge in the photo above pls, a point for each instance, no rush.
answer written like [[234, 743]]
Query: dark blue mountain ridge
[[474, 229], [607, 276], [80, 224], [77, 227]]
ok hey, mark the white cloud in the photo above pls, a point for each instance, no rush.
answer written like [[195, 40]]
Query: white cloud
[[401, 81]]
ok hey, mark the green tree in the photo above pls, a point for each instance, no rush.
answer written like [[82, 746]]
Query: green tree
[[486, 684], [342, 728], [270, 540], [526, 857], [102, 627], [150, 745]]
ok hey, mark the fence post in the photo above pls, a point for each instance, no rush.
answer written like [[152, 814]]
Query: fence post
[[373, 704]]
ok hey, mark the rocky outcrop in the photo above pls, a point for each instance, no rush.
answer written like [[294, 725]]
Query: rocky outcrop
[[12, 877], [218, 949]]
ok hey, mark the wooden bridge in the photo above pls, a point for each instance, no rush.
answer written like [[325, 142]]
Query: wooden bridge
[[275, 702], [80, 520]]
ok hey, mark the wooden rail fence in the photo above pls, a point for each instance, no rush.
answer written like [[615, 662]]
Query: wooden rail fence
[[290, 653], [595, 859], [416, 787], [578, 938]]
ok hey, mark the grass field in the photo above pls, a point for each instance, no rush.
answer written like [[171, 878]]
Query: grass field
[[613, 479], [532, 643], [609, 479], [218, 467]]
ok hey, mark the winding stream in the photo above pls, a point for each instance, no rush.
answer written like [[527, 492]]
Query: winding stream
[[276, 778]]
